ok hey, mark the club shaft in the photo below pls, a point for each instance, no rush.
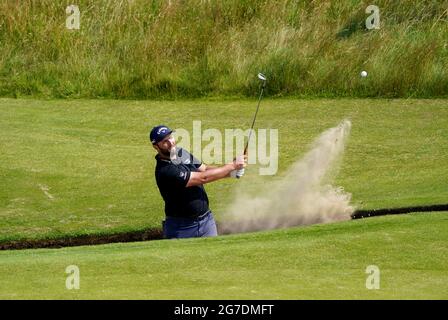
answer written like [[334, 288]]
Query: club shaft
[[253, 121]]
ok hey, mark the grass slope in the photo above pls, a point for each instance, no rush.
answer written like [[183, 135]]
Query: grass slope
[[82, 167], [148, 49], [316, 262]]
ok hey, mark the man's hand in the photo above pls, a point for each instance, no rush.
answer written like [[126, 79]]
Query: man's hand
[[239, 163], [209, 175]]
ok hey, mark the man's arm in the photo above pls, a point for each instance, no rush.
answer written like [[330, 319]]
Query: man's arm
[[204, 167], [211, 174]]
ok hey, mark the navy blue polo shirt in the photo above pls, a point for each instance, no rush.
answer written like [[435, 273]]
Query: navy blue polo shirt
[[172, 177]]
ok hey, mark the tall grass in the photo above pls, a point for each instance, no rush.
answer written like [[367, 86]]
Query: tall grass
[[194, 48]]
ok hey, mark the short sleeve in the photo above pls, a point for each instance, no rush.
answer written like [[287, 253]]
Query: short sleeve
[[176, 175], [188, 159], [196, 163]]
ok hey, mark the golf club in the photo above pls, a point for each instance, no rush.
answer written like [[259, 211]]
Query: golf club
[[262, 77]]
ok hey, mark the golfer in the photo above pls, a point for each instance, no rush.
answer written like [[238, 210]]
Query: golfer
[[180, 178]]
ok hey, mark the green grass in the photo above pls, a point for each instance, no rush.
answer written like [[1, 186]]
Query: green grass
[[148, 49], [316, 262], [97, 163]]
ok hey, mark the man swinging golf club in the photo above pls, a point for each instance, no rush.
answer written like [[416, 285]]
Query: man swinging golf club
[[180, 178]]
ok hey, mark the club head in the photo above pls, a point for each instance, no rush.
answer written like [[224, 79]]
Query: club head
[[261, 77]]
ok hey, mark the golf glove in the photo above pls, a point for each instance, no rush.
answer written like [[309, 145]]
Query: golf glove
[[239, 173]]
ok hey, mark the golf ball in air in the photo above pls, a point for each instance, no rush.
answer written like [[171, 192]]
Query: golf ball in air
[[363, 74]]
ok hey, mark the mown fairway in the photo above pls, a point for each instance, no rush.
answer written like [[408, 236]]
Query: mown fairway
[[82, 85], [79, 167], [317, 262]]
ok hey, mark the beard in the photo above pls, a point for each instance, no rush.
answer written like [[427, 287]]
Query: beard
[[168, 153]]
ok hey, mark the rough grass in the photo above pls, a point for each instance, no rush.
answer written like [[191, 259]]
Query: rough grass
[[160, 48], [80, 167], [317, 262]]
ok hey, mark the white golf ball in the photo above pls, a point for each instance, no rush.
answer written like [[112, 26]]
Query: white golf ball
[[363, 74]]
